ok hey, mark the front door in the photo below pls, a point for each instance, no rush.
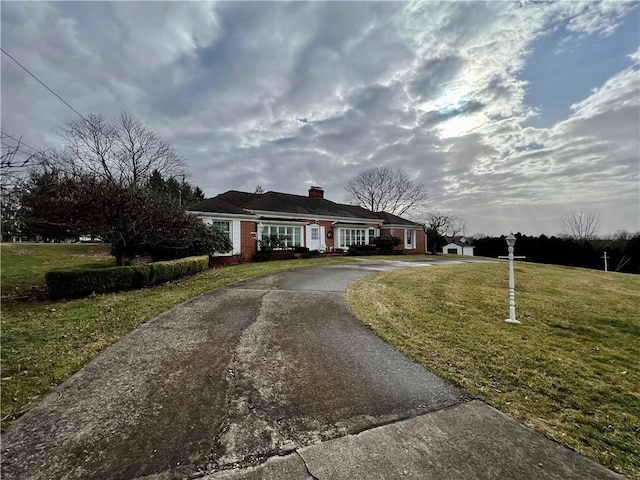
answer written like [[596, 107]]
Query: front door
[[315, 236]]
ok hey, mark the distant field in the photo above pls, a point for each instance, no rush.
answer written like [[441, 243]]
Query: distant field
[[24, 264], [45, 342], [570, 371]]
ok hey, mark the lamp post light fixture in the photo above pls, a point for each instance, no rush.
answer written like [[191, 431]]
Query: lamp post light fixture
[[511, 241]]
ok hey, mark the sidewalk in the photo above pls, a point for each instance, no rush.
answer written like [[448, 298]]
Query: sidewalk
[[468, 441]]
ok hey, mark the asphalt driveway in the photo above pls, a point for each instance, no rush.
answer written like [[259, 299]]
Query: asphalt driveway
[[227, 381]]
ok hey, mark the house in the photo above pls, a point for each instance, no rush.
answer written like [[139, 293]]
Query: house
[[303, 221], [458, 246]]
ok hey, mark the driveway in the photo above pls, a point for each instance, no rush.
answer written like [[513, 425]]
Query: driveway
[[227, 381]]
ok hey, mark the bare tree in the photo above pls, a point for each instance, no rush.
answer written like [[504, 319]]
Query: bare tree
[[16, 161], [581, 225], [440, 224], [446, 223], [126, 152], [385, 189]]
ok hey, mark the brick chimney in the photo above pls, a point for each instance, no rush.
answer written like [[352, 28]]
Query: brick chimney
[[316, 192]]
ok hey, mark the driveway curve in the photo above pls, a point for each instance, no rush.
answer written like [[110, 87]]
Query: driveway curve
[[272, 378], [227, 379]]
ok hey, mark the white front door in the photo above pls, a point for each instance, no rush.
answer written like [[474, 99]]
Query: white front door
[[315, 237]]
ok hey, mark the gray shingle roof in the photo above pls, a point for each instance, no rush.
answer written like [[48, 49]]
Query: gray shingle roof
[[238, 199], [236, 202], [217, 205], [286, 202], [395, 220]]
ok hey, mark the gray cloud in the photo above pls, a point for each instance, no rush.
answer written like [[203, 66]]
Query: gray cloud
[[286, 94]]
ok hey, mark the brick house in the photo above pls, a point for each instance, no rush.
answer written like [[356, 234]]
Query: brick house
[[304, 221]]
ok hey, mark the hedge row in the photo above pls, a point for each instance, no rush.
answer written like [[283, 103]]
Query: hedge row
[[74, 283]]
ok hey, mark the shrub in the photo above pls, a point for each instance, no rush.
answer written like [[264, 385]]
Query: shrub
[[272, 242], [170, 270], [74, 283], [195, 238], [361, 248], [387, 242]]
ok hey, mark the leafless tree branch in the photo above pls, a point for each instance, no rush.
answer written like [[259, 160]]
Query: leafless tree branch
[[385, 189], [581, 225], [125, 152]]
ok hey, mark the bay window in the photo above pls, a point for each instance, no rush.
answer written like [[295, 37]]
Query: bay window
[[290, 236], [355, 236]]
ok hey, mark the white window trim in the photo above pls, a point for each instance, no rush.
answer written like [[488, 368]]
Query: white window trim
[[234, 230], [410, 245], [267, 225], [365, 228]]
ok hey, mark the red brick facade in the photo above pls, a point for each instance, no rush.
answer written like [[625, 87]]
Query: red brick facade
[[248, 243], [421, 239]]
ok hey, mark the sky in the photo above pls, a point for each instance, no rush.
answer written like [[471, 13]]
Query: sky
[[511, 114]]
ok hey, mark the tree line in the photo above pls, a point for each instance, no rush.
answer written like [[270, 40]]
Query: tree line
[[623, 251]]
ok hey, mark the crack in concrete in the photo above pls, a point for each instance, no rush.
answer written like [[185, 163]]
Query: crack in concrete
[[307, 466], [218, 448]]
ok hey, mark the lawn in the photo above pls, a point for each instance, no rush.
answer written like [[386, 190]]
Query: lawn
[[24, 264], [45, 342], [570, 371]]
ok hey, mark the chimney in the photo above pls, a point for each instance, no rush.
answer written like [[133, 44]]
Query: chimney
[[316, 192]]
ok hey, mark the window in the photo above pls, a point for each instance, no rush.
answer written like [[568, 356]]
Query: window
[[409, 238], [291, 236], [224, 226], [352, 236], [315, 233]]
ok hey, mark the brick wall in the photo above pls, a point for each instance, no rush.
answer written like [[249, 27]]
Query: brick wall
[[397, 232], [329, 242], [421, 241], [248, 245]]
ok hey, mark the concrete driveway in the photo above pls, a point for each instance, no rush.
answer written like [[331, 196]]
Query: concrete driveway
[[254, 381]]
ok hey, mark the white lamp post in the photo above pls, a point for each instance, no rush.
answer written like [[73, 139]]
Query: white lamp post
[[511, 241], [606, 265]]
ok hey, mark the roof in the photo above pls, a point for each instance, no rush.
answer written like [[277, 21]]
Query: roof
[[238, 199], [395, 220], [299, 204], [460, 241], [245, 203], [217, 205]]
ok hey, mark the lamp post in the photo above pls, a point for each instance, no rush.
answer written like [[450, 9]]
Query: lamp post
[[606, 265], [511, 241]]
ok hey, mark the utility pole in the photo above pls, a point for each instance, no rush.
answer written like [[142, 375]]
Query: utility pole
[[606, 265]]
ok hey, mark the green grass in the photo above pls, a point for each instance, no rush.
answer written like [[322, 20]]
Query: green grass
[[570, 371], [24, 264], [45, 342]]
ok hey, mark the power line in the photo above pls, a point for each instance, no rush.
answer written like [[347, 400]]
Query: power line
[[43, 84], [17, 163], [19, 141]]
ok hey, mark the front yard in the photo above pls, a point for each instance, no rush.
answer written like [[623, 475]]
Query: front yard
[[45, 342], [570, 371]]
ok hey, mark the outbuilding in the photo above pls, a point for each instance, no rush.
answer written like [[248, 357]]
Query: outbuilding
[[458, 246]]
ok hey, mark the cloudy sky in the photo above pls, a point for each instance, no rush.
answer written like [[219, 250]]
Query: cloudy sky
[[511, 113]]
